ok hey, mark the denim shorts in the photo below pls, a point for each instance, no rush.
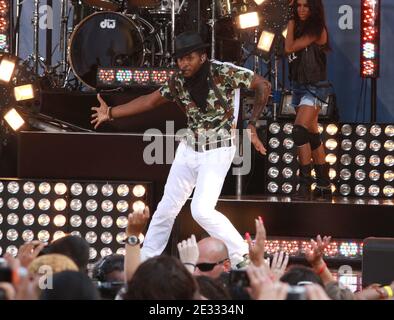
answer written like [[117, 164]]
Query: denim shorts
[[310, 94]]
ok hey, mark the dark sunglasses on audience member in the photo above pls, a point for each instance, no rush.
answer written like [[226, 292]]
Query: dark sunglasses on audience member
[[204, 267]]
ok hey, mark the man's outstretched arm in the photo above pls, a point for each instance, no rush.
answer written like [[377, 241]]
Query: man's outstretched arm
[[139, 105]]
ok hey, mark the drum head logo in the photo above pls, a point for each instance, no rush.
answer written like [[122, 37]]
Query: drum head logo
[[108, 24]]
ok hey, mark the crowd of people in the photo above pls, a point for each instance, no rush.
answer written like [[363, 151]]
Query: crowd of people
[[202, 271]]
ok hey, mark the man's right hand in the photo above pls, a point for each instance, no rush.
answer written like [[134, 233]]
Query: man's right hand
[[101, 113]]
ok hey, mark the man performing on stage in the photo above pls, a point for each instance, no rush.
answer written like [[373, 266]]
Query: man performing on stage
[[206, 91]]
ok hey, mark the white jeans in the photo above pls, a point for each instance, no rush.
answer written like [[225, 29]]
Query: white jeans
[[206, 172]]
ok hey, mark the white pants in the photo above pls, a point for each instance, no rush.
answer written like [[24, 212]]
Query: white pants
[[206, 172]]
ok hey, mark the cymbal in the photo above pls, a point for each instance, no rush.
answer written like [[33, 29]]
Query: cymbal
[[103, 4]]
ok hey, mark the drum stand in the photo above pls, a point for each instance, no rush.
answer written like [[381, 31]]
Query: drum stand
[[63, 37]]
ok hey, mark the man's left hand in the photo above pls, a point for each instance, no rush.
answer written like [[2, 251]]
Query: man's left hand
[[259, 146]]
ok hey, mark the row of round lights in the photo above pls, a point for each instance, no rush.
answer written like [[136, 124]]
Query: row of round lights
[[76, 189]]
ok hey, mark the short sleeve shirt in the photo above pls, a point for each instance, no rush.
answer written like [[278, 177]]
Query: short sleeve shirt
[[217, 118]]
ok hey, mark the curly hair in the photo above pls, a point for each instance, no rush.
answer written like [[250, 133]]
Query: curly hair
[[316, 22]]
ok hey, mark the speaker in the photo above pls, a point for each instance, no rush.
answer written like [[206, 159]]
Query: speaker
[[378, 261]]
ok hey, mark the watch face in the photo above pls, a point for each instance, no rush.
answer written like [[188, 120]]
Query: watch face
[[133, 240]]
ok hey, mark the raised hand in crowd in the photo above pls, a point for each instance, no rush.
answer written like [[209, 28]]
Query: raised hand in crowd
[[314, 256], [279, 264], [188, 253], [136, 224], [257, 249], [29, 251], [262, 287]]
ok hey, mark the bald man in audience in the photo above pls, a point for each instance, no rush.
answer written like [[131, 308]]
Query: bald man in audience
[[213, 258]]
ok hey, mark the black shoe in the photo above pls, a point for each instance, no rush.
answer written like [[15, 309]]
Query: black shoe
[[304, 192], [305, 181], [322, 193]]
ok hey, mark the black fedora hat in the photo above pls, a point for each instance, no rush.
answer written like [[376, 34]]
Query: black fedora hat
[[188, 42]]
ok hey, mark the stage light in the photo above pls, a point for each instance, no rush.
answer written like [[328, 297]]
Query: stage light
[[345, 174], [107, 206], [91, 205], [105, 252], [138, 206], [76, 189], [274, 128], [29, 187], [374, 175], [370, 38], [76, 221], [58, 234], [331, 144], [360, 175], [258, 2], [91, 190], [25, 92], [7, 68], [346, 130], [375, 130], [287, 188], [288, 158], [106, 237], [331, 158], [373, 190], [389, 176], [13, 187], [375, 145], [248, 20], [121, 222], [360, 160], [389, 131], [139, 191], [76, 204], [274, 143], [332, 129], [14, 120], [107, 221], [389, 160], [91, 237], [273, 172], [43, 220], [273, 157], [344, 189], [122, 206], [123, 190], [28, 204], [60, 204], [265, 41], [288, 143], [361, 145], [273, 187], [361, 130], [346, 144], [91, 221], [123, 77], [388, 191], [28, 219], [389, 145], [44, 188], [59, 220], [107, 190]]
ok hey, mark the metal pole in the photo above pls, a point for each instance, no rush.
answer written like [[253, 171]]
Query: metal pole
[[213, 29], [36, 51], [63, 36], [374, 91], [172, 32], [17, 27], [48, 56], [256, 57]]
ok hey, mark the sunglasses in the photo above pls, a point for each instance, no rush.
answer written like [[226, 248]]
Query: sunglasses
[[204, 267]]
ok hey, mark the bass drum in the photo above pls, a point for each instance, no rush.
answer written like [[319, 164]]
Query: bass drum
[[110, 39]]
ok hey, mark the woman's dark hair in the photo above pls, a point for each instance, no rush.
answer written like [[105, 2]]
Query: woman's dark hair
[[161, 278], [71, 285], [316, 22], [73, 247], [212, 289], [298, 273]]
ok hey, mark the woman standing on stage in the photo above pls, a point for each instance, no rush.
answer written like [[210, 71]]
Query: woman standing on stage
[[307, 44]]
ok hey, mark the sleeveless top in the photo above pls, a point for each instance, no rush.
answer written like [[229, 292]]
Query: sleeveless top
[[309, 65]]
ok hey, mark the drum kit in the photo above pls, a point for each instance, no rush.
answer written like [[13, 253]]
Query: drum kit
[[132, 33]]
